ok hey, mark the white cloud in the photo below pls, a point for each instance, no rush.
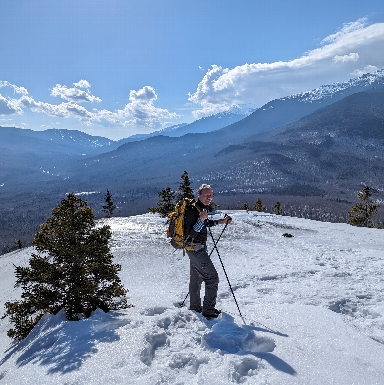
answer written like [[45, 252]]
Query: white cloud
[[62, 110], [258, 83], [9, 106], [16, 89], [139, 112], [83, 84], [346, 29], [366, 70], [142, 111], [75, 94], [353, 56]]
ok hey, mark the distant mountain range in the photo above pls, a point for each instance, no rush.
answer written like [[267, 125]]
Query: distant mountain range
[[323, 143], [200, 126]]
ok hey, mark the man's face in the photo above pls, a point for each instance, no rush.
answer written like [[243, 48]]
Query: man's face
[[206, 196]]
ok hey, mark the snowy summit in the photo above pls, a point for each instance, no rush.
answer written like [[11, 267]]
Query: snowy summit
[[312, 307]]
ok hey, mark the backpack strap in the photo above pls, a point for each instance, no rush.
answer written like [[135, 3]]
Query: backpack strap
[[196, 207]]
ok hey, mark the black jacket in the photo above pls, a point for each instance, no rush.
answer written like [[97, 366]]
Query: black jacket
[[190, 218]]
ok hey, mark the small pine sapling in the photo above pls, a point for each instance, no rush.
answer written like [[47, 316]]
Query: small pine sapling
[[109, 207], [361, 214], [165, 205], [258, 206], [71, 270], [185, 189], [277, 209]]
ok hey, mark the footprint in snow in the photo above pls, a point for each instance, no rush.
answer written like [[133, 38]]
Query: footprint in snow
[[154, 342], [154, 311], [228, 337]]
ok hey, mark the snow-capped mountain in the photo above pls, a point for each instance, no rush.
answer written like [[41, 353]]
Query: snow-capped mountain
[[361, 83], [280, 112]]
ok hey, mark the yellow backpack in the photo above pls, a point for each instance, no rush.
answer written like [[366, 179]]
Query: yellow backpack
[[175, 229]]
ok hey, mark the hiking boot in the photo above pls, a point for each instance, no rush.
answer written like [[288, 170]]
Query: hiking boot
[[199, 310], [211, 313]]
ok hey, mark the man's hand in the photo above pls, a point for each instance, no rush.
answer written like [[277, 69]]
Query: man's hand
[[226, 220], [203, 215]]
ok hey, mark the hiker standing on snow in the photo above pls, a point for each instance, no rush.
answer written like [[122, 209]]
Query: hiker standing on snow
[[201, 267]]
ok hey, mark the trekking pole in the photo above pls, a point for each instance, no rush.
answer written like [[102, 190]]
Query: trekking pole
[[181, 304], [226, 275]]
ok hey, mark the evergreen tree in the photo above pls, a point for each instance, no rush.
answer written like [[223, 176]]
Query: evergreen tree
[[258, 206], [277, 209], [361, 213], [72, 270], [109, 207], [185, 189], [18, 244], [165, 205], [245, 207], [212, 207]]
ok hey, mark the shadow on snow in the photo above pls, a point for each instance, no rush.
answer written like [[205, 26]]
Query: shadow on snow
[[64, 345]]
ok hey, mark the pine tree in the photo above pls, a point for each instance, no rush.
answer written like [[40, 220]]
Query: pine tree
[[19, 244], [361, 213], [245, 207], [165, 205], [185, 189], [277, 208], [258, 206], [72, 270], [109, 207]]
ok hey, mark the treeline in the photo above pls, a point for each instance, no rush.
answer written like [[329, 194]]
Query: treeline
[[361, 214], [364, 213]]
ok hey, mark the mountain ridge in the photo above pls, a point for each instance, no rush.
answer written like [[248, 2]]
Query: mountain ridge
[[255, 155]]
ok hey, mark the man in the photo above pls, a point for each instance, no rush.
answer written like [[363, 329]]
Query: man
[[201, 267]]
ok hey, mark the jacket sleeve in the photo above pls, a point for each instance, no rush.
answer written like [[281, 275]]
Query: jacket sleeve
[[190, 218]]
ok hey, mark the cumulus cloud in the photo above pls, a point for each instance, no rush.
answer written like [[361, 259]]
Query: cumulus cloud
[[366, 70], [257, 83], [83, 84], [9, 107], [76, 93], [142, 111], [62, 110], [16, 89], [353, 56]]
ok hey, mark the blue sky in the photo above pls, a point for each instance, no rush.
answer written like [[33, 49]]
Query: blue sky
[[122, 67]]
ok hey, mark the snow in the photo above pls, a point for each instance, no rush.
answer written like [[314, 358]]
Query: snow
[[328, 91], [312, 307]]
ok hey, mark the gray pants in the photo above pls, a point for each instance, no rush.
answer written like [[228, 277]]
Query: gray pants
[[202, 270]]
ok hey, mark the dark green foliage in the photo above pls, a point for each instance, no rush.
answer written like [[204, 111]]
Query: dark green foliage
[[165, 205], [19, 244], [245, 207], [109, 207], [185, 189], [212, 207], [277, 209], [72, 270], [258, 206], [361, 213]]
